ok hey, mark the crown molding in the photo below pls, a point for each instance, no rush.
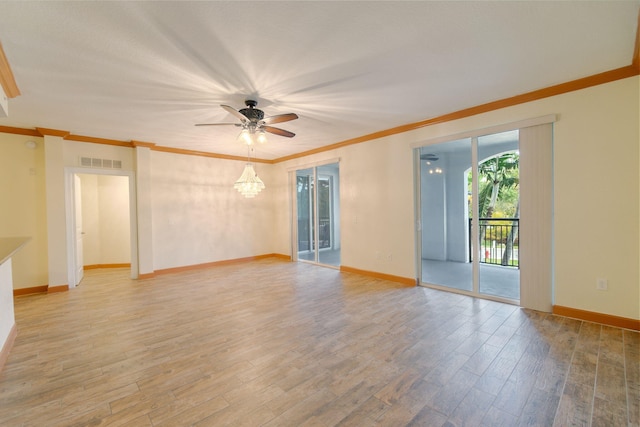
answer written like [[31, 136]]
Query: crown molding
[[207, 154], [574, 85], [19, 131], [7, 80], [95, 140], [142, 144], [52, 132], [583, 83], [8, 83]]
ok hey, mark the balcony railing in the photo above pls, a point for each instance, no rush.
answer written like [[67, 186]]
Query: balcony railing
[[324, 233], [305, 239], [499, 241]]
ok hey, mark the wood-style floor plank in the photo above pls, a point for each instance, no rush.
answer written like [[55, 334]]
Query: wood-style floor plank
[[275, 343]]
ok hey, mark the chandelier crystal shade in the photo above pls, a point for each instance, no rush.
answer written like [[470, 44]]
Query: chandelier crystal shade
[[249, 184]]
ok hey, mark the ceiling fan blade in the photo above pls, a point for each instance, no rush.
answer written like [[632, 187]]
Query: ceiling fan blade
[[280, 118], [235, 112], [278, 131], [218, 124]]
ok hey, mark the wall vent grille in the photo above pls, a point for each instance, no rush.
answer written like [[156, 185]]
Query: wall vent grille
[[89, 162]]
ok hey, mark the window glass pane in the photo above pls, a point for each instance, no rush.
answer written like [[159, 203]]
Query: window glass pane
[[444, 198], [306, 219], [499, 211], [329, 214]]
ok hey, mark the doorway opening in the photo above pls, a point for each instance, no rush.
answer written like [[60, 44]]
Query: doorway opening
[[101, 225], [318, 215]]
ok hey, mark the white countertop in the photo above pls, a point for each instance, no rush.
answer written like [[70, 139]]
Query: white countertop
[[10, 245]]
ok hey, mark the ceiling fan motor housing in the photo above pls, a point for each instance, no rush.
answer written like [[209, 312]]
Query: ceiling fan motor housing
[[251, 113]]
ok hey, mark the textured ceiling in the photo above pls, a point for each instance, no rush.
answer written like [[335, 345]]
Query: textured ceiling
[[148, 71]]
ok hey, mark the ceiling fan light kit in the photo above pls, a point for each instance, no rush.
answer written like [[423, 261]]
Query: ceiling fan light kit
[[254, 127], [251, 136]]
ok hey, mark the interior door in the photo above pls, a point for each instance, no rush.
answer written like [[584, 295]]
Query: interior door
[[79, 262]]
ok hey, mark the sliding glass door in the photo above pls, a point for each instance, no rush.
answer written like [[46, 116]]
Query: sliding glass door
[[461, 181], [318, 214]]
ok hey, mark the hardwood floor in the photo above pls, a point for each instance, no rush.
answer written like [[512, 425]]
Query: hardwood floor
[[276, 343]]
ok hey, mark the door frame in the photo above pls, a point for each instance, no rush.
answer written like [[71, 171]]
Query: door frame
[[70, 217], [77, 231]]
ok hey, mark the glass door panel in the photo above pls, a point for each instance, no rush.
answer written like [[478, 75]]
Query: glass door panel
[[305, 181], [328, 214], [444, 176], [499, 214]]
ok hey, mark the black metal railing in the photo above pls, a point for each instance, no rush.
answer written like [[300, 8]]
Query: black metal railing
[[305, 235], [324, 233], [499, 241]]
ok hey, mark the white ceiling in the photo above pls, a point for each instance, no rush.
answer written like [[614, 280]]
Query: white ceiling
[[148, 71]]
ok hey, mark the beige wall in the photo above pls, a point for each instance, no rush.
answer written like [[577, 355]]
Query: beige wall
[[22, 206], [596, 182], [198, 217]]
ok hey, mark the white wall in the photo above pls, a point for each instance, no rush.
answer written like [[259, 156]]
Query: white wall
[[434, 216], [457, 206], [198, 217], [90, 219], [105, 219], [7, 317], [376, 208]]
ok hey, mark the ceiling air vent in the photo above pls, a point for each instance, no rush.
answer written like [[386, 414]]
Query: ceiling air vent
[[90, 162]]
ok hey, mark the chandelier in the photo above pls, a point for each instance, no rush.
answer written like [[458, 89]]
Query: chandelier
[[249, 184]]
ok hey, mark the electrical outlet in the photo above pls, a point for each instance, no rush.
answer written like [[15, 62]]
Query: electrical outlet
[[602, 284]]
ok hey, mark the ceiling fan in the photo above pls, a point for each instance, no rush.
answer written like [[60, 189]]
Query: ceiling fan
[[254, 124], [429, 157]]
